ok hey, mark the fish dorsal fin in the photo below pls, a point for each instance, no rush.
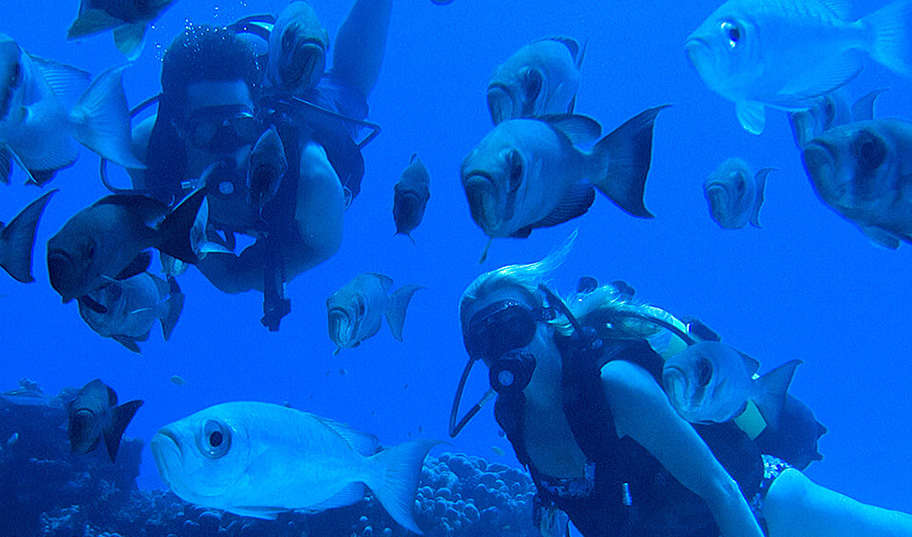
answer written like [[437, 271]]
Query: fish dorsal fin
[[579, 129], [149, 210], [835, 74], [575, 203], [350, 494], [175, 305], [95, 388], [139, 265], [760, 180], [414, 158], [751, 365], [112, 396], [385, 281], [751, 115], [121, 417], [569, 42], [92, 21], [129, 39], [840, 8], [395, 308], [863, 109], [363, 443], [881, 237], [67, 82], [773, 390], [17, 240]]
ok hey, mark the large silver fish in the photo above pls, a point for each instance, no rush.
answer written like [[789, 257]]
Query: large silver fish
[[540, 79], [297, 48], [93, 415], [127, 18], [411, 194], [527, 173], [861, 171], [710, 382], [735, 194], [133, 305], [786, 53], [17, 240], [828, 111], [45, 105], [108, 239], [259, 459], [356, 310]]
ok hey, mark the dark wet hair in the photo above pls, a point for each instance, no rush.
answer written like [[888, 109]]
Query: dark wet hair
[[207, 54]]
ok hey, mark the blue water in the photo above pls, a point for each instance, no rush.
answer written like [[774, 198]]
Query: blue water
[[808, 285]]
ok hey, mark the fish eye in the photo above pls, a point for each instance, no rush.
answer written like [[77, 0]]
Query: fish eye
[[829, 110], [361, 307], [16, 76], [516, 170], [704, 371], [869, 150], [214, 439], [288, 38], [533, 84], [733, 33]]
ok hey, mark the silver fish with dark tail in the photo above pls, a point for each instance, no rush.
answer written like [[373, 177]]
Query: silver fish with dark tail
[[127, 18], [46, 106], [133, 305], [528, 173], [17, 240], [540, 79], [735, 194], [94, 415], [266, 169], [356, 310], [411, 195], [297, 49]]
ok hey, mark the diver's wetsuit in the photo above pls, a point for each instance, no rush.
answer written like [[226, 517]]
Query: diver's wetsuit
[[626, 491]]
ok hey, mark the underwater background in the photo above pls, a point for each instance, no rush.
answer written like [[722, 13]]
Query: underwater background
[[807, 285]]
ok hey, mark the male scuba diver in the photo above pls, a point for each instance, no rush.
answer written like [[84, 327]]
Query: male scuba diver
[[216, 126]]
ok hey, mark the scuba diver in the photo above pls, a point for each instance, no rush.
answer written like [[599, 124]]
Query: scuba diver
[[578, 395], [216, 110]]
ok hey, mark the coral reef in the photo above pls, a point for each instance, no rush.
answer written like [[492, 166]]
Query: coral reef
[[47, 491]]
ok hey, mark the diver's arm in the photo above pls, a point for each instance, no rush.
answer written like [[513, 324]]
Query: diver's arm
[[360, 43], [642, 411], [139, 142]]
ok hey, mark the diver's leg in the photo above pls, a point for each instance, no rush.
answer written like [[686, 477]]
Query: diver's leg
[[360, 43], [795, 506], [236, 274], [318, 213]]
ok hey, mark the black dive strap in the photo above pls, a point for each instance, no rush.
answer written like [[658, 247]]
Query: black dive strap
[[275, 304]]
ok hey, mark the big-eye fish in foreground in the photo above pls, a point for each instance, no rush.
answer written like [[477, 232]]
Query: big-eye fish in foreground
[[266, 169], [828, 111], [128, 18], [17, 240], [297, 48], [527, 173], [132, 306], [861, 171], [44, 105], [786, 53], [710, 382], [735, 194], [259, 459], [108, 239], [540, 79], [410, 198], [94, 414], [355, 311]]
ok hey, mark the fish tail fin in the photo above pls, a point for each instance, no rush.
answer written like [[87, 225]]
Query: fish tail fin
[[130, 39], [395, 309], [17, 240], [891, 26], [395, 479], [622, 160], [774, 387], [122, 415], [760, 179], [102, 119], [176, 228], [175, 304]]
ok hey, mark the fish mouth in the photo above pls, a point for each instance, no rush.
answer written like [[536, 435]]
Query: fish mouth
[[60, 265], [301, 67], [340, 326], [674, 380], [698, 53], [406, 212], [481, 193], [718, 200], [500, 103], [166, 450]]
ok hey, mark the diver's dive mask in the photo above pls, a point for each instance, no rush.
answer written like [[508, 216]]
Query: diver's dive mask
[[223, 128]]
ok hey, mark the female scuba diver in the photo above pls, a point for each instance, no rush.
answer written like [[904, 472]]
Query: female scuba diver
[[579, 397]]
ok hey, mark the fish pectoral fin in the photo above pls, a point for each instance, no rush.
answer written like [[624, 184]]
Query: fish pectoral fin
[[395, 308], [363, 443], [92, 304], [121, 417], [262, 512], [350, 494], [129, 39], [175, 306], [128, 342], [18, 240], [579, 129], [92, 21], [574, 204], [881, 237], [835, 74], [863, 109], [751, 115], [139, 265]]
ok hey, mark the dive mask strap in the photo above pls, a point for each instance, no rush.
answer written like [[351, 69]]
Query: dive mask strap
[[455, 427]]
